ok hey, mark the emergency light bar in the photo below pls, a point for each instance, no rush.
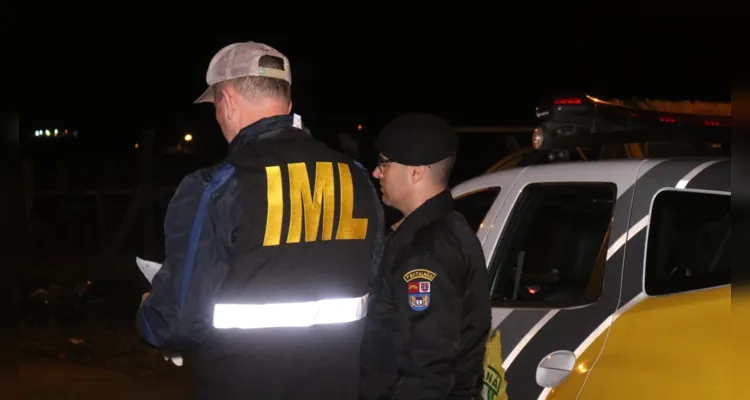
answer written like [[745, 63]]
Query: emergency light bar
[[582, 119], [567, 107]]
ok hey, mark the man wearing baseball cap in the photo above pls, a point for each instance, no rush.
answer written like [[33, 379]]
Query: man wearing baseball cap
[[270, 253], [430, 316]]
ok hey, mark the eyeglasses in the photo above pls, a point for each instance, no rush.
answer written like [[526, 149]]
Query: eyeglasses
[[382, 162]]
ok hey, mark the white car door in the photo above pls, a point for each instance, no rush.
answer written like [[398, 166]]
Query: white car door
[[547, 240]]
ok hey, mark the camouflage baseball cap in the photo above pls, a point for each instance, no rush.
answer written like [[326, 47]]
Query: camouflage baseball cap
[[239, 60]]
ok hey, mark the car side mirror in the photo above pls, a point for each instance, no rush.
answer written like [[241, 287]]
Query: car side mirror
[[554, 368]]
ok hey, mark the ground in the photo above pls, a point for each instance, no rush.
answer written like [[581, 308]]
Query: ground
[[52, 380], [94, 359]]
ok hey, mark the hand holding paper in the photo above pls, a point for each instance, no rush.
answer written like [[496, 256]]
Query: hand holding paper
[[149, 270]]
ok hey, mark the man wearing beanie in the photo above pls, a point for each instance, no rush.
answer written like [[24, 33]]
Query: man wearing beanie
[[428, 322]]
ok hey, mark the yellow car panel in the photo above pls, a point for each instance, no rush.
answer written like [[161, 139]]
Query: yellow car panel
[[570, 387], [654, 349]]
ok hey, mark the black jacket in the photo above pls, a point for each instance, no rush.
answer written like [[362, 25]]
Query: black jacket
[[283, 219], [428, 323]]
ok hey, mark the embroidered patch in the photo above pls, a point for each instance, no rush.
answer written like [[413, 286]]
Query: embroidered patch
[[419, 301], [418, 283], [419, 274]]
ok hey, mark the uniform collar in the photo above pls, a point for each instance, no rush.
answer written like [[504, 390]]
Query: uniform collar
[[432, 209], [261, 129]]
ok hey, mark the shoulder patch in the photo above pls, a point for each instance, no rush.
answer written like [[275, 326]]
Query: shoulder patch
[[418, 288], [419, 301], [419, 274]]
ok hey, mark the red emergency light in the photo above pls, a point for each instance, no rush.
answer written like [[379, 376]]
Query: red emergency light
[[578, 106], [568, 101]]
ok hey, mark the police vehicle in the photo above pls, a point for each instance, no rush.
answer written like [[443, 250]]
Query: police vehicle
[[609, 273]]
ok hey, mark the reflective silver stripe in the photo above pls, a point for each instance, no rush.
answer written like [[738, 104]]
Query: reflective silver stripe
[[254, 316]]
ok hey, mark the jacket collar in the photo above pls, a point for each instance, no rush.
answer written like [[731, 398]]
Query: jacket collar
[[436, 207], [261, 129]]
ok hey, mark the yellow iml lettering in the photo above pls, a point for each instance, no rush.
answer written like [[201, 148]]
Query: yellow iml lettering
[[306, 204], [275, 195], [349, 228]]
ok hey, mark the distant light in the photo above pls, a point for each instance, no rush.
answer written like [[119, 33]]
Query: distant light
[[359, 127], [56, 132], [188, 137], [66, 131], [137, 145], [47, 132], [667, 120], [537, 138]]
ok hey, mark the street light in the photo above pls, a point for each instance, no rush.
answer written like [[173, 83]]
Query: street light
[[188, 137]]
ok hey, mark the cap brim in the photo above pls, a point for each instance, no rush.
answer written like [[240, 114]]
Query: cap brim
[[206, 97]]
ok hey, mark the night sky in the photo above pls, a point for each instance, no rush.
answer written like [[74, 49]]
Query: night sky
[[112, 78]]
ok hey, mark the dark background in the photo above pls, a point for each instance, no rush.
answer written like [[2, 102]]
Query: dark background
[[111, 78]]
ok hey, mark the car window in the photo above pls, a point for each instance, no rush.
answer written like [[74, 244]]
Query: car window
[[553, 252], [475, 205], [688, 242]]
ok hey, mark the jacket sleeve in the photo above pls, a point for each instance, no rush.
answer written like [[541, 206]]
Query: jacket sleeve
[[430, 307], [379, 240], [198, 229]]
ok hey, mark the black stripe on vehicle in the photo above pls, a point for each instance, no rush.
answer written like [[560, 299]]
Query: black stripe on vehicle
[[667, 174], [515, 326], [623, 213], [632, 281], [715, 177], [670, 171]]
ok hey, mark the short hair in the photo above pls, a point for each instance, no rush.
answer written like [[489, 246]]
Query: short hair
[[442, 169], [254, 88]]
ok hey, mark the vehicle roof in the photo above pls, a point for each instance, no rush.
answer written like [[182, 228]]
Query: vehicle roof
[[619, 168]]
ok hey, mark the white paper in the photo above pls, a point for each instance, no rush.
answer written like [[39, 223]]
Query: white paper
[[149, 270]]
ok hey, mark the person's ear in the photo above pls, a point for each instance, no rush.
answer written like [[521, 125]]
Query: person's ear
[[418, 173], [229, 103]]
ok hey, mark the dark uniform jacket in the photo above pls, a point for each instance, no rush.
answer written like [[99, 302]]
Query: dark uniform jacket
[[428, 323], [284, 219]]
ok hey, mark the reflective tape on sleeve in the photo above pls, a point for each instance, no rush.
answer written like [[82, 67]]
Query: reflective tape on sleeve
[[255, 316]]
